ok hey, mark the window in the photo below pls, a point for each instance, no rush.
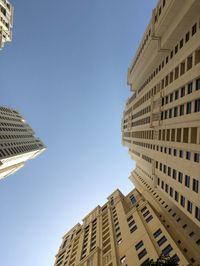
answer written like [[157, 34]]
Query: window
[[176, 196], [197, 56], [194, 29], [131, 223], [122, 260], [197, 213], [195, 186], [196, 157], [175, 152], [198, 242], [146, 213], [188, 155], [143, 209], [142, 254], [180, 177], [178, 135], [173, 134], [129, 218], [174, 174], [170, 113], [187, 37], [181, 154], [191, 234], [133, 229], [189, 108], [133, 199], [185, 135], [181, 43], [169, 171], [175, 111], [176, 49], [198, 84], [175, 258], [187, 180], [171, 191], [189, 206], [189, 89], [161, 241], [197, 105], [112, 202], [181, 109], [171, 77], [176, 94], [167, 250], [171, 97], [149, 218], [182, 201], [193, 137], [157, 233], [176, 72], [182, 91], [139, 245]]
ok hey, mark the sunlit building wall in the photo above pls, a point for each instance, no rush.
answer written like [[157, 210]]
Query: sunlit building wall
[[6, 22], [161, 122]]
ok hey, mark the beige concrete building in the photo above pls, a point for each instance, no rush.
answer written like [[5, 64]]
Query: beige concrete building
[[17, 142], [161, 123], [161, 128], [124, 231], [6, 22]]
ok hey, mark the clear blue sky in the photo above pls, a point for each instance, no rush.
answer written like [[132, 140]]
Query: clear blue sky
[[66, 72]]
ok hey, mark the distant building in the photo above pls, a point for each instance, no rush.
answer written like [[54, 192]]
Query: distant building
[[124, 231], [6, 22], [161, 123], [17, 142]]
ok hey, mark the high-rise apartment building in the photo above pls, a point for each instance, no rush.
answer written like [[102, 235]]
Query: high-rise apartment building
[[6, 22], [124, 231], [17, 142], [161, 123]]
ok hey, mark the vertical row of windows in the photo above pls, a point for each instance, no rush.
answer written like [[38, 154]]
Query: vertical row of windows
[[146, 214], [93, 235], [116, 226], [85, 242], [105, 231], [131, 224]]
